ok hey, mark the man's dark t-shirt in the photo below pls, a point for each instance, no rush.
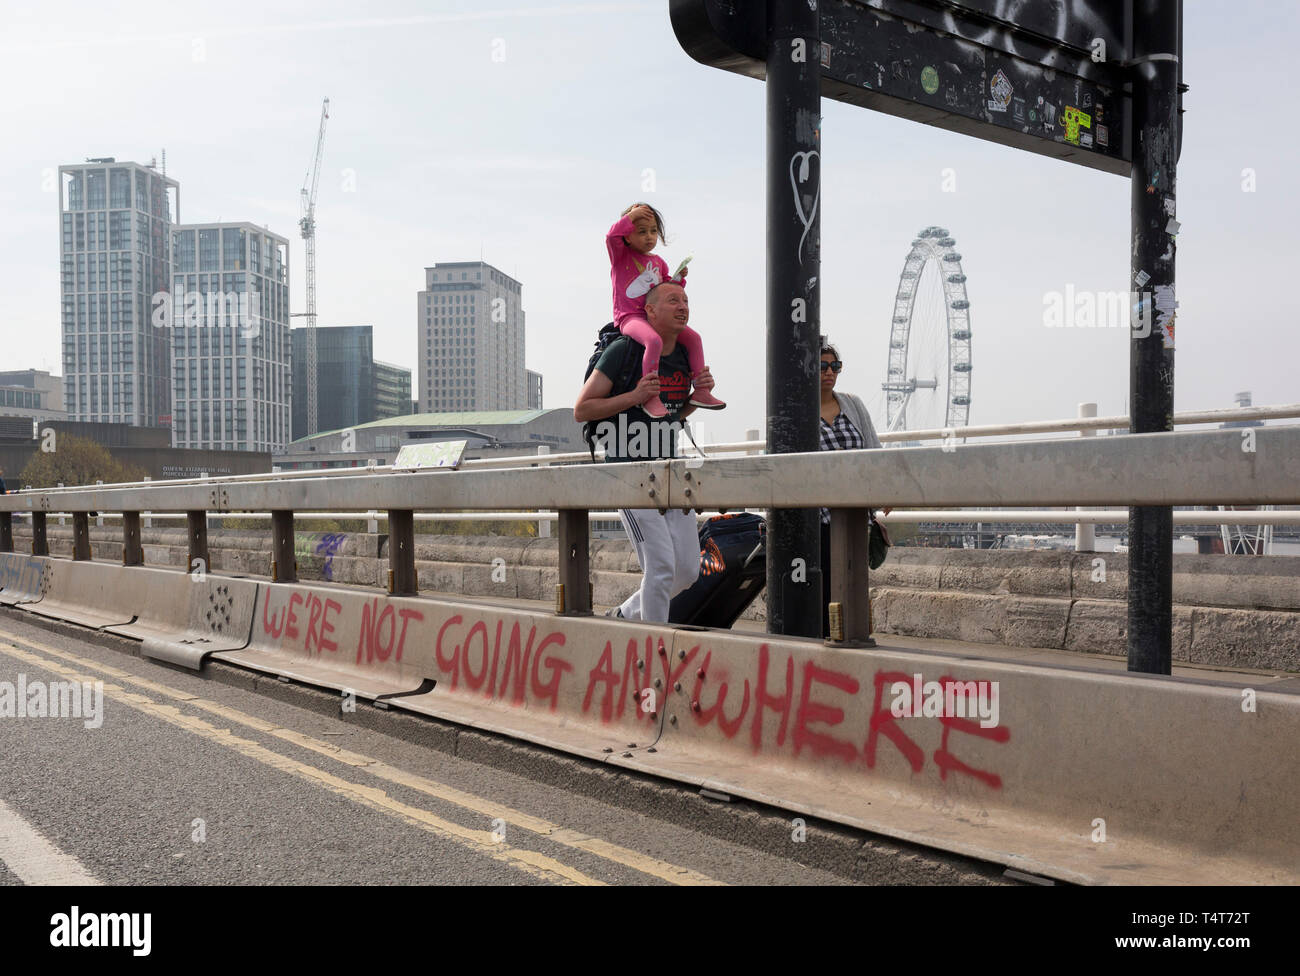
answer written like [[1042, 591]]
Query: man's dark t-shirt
[[634, 435]]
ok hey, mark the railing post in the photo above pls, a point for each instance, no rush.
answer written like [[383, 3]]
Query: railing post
[[543, 524], [132, 550], [6, 532], [40, 544], [148, 522], [81, 536], [198, 529], [402, 580], [284, 562], [752, 435], [1085, 535], [575, 563], [849, 567]]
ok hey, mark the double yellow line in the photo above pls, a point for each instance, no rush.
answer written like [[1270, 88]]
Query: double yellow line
[[480, 841]]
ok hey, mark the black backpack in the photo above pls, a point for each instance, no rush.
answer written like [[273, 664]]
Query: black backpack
[[625, 378]]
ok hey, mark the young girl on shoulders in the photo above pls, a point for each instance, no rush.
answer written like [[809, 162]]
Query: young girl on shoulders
[[634, 270]]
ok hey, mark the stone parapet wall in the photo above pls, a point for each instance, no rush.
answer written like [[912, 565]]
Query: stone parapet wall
[[1232, 611]]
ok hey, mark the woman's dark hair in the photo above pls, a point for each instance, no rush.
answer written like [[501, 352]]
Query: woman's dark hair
[[659, 219], [828, 349]]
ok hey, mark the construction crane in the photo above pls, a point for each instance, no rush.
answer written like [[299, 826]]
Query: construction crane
[[308, 226]]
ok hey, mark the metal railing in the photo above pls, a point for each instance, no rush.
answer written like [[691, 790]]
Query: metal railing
[[758, 444]]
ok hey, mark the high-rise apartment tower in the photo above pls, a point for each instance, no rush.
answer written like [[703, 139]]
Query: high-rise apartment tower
[[115, 240]]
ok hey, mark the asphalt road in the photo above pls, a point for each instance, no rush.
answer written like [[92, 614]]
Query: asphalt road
[[234, 780]]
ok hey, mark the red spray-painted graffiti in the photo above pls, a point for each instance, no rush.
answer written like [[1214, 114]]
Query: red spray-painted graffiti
[[460, 662], [374, 622], [778, 705], [814, 709], [380, 635]]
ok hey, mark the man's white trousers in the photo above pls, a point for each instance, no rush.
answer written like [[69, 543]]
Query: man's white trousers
[[668, 549]]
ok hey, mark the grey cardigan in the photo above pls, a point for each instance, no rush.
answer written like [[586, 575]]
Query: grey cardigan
[[857, 414]]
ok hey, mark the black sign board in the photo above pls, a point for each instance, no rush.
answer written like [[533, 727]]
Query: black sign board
[[1047, 76]]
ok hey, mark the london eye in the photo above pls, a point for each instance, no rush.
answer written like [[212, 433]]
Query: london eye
[[928, 382]]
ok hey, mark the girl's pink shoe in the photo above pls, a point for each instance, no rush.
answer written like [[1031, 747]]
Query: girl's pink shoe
[[655, 407], [706, 400]]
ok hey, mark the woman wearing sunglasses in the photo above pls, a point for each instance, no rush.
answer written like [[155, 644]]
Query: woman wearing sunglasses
[[845, 426]]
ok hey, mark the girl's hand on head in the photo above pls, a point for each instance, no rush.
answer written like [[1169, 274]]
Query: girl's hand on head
[[639, 212]]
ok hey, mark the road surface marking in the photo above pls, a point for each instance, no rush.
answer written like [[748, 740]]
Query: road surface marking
[[33, 858], [643, 863], [480, 841]]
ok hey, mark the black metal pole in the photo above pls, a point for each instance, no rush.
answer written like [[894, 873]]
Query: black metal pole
[[794, 588], [1151, 360]]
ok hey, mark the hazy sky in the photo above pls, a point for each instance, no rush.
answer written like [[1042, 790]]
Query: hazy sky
[[520, 131]]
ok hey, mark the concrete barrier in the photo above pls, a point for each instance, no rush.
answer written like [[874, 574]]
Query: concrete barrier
[[508, 671], [178, 617], [89, 594], [22, 578], [185, 617], [1077, 774], [1087, 776]]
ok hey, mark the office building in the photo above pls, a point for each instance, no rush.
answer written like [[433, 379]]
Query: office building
[[115, 225], [392, 391], [31, 393], [470, 350], [231, 351], [534, 390], [351, 387]]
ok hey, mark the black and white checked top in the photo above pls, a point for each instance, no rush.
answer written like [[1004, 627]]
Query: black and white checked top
[[839, 436]]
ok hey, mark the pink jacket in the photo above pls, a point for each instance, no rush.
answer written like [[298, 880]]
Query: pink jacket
[[631, 273]]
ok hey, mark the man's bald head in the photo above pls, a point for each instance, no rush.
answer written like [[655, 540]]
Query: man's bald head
[[660, 291], [667, 310]]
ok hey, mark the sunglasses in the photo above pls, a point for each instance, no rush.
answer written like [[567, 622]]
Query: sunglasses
[[834, 366]]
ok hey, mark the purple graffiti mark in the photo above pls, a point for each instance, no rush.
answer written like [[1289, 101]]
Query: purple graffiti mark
[[327, 546]]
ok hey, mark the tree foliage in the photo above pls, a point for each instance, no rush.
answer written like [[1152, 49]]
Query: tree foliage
[[76, 461]]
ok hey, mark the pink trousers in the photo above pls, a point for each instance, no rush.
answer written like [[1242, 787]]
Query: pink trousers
[[640, 330]]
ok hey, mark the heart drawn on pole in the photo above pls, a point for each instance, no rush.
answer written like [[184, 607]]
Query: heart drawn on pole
[[803, 160]]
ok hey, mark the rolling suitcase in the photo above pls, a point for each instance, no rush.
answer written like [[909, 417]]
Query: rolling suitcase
[[733, 569]]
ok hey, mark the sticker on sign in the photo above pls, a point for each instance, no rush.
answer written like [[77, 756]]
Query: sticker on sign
[[1000, 88]]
